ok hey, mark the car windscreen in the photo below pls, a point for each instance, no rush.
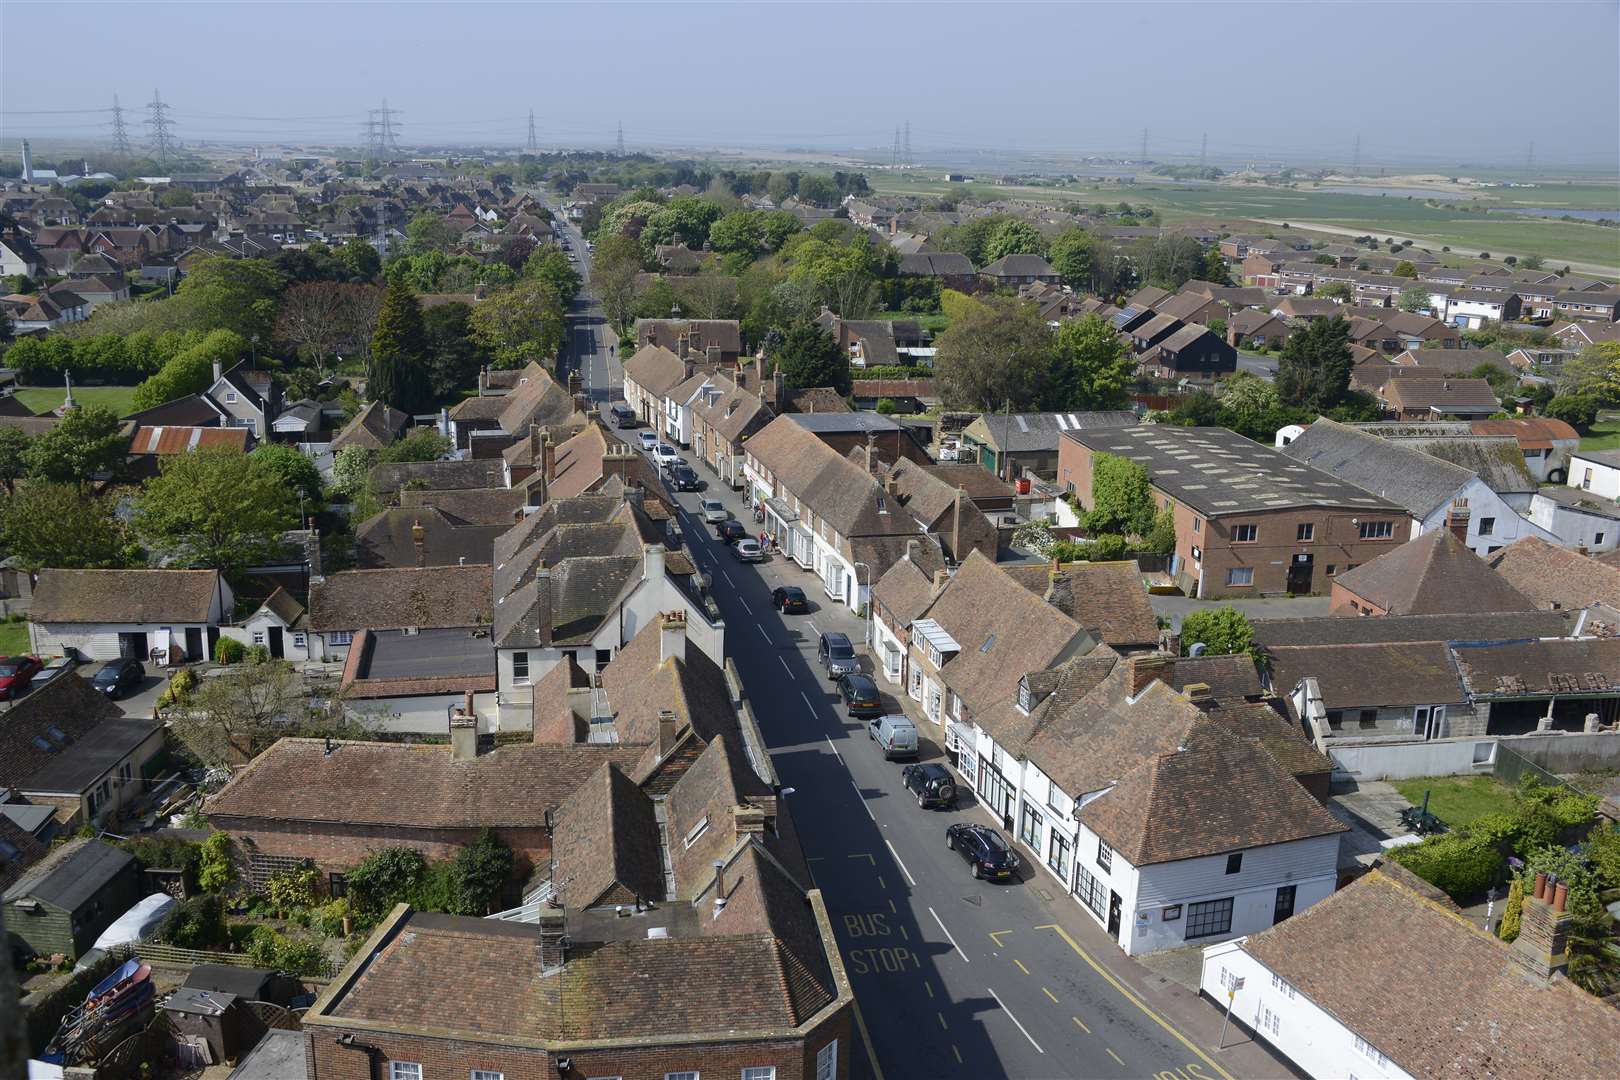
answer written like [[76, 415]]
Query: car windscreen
[[839, 650], [993, 841]]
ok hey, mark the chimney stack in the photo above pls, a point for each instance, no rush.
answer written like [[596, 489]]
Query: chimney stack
[[942, 578], [1541, 946], [483, 380], [780, 381], [672, 636], [217, 371], [914, 552], [464, 730], [1143, 670], [956, 526], [1457, 519], [553, 941], [548, 455], [652, 561], [419, 542], [749, 821], [668, 729], [1200, 694]]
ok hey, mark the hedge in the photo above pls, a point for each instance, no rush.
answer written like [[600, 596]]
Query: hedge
[[1458, 864]]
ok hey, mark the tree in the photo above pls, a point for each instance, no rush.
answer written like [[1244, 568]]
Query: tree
[[1161, 538], [321, 318], [216, 508], [88, 441], [520, 324], [230, 294], [361, 259], [779, 188], [1013, 237], [1415, 299], [1223, 631], [808, 356], [817, 190], [63, 526], [1406, 269], [453, 358], [1332, 290], [230, 718], [293, 470], [613, 278], [421, 444], [431, 232], [551, 265], [775, 227], [1173, 261], [382, 879], [482, 870], [1314, 372], [14, 445], [1074, 255], [1215, 268], [1532, 262], [1121, 500], [1594, 371], [396, 374], [1091, 367], [1579, 411], [997, 355], [191, 369], [740, 232]]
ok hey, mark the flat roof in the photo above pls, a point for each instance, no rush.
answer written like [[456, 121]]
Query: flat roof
[[429, 654], [1217, 471], [843, 421]]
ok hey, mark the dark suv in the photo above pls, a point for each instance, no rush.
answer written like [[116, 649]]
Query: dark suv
[[837, 655], [624, 416], [860, 694], [118, 677], [984, 849], [931, 784]]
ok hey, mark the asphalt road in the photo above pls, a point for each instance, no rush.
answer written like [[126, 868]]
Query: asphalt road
[[591, 347], [953, 977]]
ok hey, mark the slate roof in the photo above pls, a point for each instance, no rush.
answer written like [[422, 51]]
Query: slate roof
[[24, 852], [71, 874], [79, 767], [1462, 626], [937, 264], [386, 539], [360, 783], [374, 427], [1435, 574], [500, 506], [1555, 576], [397, 598], [66, 703], [566, 603], [1485, 1016], [1109, 599], [1517, 668], [1021, 432], [437, 475], [124, 596], [1496, 459], [1019, 266], [1397, 474], [1370, 676]]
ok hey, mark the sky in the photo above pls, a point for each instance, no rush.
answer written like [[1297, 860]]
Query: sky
[[1420, 82]]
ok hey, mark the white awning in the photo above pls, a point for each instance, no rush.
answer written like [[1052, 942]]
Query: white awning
[[935, 635]]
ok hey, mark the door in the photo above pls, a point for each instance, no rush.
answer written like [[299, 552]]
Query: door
[[194, 644], [1299, 574], [132, 646], [213, 637], [1284, 906], [1437, 724], [1113, 915], [278, 650]]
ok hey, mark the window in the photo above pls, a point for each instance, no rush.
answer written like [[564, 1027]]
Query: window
[[1029, 827], [1240, 575], [1370, 1052], [1245, 534], [487, 1074], [1306, 532], [1055, 797], [1368, 718], [258, 637], [1057, 856], [337, 885], [1284, 906], [1487, 526], [404, 1070], [299, 640], [1234, 862], [1269, 1021], [1332, 569], [1280, 984], [1208, 918], [1172, 913], [1586, 481], [683, 1075], [520, 667], [759, 1072], [230, 397], [1025, 698], [1198, 523], [1105, 856], [126, 772], [339, 637], [1377, 530], [1597, 539], [697, 830], [827, 1062], [1091, 892]]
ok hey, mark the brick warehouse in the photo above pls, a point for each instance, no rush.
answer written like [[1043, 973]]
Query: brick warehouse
[[1250, 521]]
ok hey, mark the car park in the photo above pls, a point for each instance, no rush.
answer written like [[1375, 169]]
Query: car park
[[730, 531], [931, 783], [860, 694], [984, 849], [836, 655], [895, 735], [16, 673], [624, 416], [747, 551], [118, 677], [714, 511], [790, 600], [682, 478], [649, 440]]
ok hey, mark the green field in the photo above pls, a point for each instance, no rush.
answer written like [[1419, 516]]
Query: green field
[[42, 399], [1603, 435], [13, 638]]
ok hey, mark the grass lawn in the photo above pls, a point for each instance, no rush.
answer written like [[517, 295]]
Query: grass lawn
[[42, 399], [1457, 800], [1603, 435], [13, 638]]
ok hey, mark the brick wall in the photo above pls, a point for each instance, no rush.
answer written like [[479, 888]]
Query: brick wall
[[793, 1059], [340, 847], [1335, 543]]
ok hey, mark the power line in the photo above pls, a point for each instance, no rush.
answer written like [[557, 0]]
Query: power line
[[158, 123], [1355, 157], [386, 138], [909, 162], [894, 154], [120, 134], [533, 143]]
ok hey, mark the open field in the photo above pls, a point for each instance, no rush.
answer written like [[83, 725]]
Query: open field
[[42, 399], [1603, 435]]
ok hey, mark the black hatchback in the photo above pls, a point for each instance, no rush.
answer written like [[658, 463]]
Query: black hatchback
[[860, 695], [118, 677], [789, 600], [931, 784], [730, 530], [983, 849], [682, 478]]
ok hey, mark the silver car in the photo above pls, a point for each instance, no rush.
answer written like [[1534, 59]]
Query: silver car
[[714, 511], [747, 551]]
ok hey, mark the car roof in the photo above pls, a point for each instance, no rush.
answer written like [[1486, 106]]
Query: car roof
[[931, 769], [856, 676], [836, 637], [791, 589]]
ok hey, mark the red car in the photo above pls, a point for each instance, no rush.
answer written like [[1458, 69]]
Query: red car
[[16, 672]]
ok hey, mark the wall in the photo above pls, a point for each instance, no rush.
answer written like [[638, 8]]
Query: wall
[[1316, 1043], [99, 641], [1597, 530], [333, 846], [1484, 504], [1335, 546], [427, 714], [1403, 761], [1604, 481], [1569, 753]]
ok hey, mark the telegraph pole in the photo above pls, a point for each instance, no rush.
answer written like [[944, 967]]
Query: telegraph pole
[[894, 152], [620, 150], [120, 133], [533, 143], [158, 122]]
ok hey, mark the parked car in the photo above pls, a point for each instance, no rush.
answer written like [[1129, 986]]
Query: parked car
[[931, 783], [747, 551], [789, 600], [836, 655], [649, 439], [895, 735], [624, 416], [714, 511], [983, 848], [731, 530], [682, 478], [16, 672], [665, 453], [117, 677], [860, 694]]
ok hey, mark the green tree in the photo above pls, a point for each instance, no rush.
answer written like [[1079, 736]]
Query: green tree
[[775, 227], [230, 294], [1314, 372], [1215, 268], [1091, 367], [293, 470], [1223, 631], [361, 260], [1161, 538], [520, 324], [1121, 500], [995, 355], [817, 190], [396, 373], [1532, 262], [740, 232], [453, 358], [382, 879], [214, 867], [431, 232], [1406, 269], [1594, 371], [174, 198], [552, 266], [1415, 299], [191, 369], [684, 220], [1013, 237], [87, 442], [808, 356], [482, 870], [62, 525], [613, 278], [1074, 254], [1333, 290], [779, 188], [215, 508], [1173, 261], [14, 443], [1579, 411], [420, 444]]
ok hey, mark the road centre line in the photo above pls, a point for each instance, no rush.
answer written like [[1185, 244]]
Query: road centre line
[[901, 864], [1021, 966], [785, 667], [744, 603], [948, 937], [834, 749], [1049, 994], [808, 702], [1014, 1019]]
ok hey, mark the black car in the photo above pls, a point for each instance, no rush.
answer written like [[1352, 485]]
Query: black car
[[984, 849], [682, 478], [789, 600], [931, 784], [118, 677], [860, 695], [624, 416], [730, 531]]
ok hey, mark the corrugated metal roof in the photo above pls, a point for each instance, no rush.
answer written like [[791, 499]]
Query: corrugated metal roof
[[177, 440]]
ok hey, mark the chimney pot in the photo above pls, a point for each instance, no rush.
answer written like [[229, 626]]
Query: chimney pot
[[464, 732], [672, 636], [719, 887], [1541, 885], [1560, 897], [942, 578]]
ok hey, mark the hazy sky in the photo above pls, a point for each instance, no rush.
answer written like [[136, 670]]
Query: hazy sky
[[1419, 81]]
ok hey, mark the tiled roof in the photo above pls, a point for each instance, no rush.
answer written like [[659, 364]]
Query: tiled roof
[[397, 598], [1516, 668], [607, 840], [1555, 576], [905, 590], [124, 596], [387, 539], [1436, 574], [1403, 476], [639, 683], [1019, 266], [374, 427], [1370, 676], [1442, 395], [419, 786], [1496, 459], [1274, 733], [500, 506], [847, 496], [66, 703], [437, 475], [1484, 1015], [1107, 598], [536, 399], [1489, 626], [725, 333]]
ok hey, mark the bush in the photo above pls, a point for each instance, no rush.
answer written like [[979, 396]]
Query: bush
[[257, 654], [198, 923], [1513, 912], [292, 889], [1222, 630], [329, 917], [1107, 548], [301, 957], [1460, 865], [263, 945], [181, 684], [482, 870], [887, 406], [382, 879], [1577, 410], [229, 651], [214, 869], [162, 853]]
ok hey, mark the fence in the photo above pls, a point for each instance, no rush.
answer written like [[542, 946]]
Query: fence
[[173, 956], [1510, 767]]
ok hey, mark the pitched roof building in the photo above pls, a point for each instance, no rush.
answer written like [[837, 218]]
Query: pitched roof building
[[1435, 574]]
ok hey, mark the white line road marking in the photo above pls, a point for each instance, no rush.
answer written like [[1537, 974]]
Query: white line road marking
[[948, 937], [1014, 1019], [812, 627], [785, 667], [808, 702], [744, 603], [728, 579], [902, 865], [834, 749], [862, 799]]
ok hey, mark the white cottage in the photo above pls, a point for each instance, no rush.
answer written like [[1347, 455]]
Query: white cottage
[[161, 616]]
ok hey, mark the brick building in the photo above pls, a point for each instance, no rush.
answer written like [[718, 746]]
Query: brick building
[[1249, 520]]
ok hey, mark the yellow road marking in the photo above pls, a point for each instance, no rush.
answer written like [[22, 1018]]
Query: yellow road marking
[[880, 881], [892, 909], [865, 855], [1083, 1027], [1021, 966], [1115, 1056], [942, 1022], [957, 1052], [1049, 993], [997, 935], [930, 988], [866, 1037], [1133, 999], [905, 933]]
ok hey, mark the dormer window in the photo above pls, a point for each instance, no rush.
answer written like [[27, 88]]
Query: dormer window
[[1026, 698]]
